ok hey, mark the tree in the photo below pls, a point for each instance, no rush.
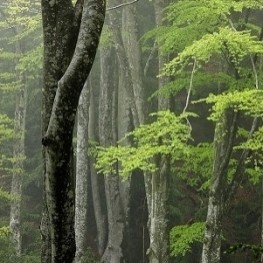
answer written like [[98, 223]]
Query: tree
[[71, 37], [225, 49]]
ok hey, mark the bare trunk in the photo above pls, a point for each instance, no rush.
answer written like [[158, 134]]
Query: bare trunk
[[82, 173], [157, 183], [19, 155], [97, 181], [18, 170], [223, 144], [113, 252], [61, 23]]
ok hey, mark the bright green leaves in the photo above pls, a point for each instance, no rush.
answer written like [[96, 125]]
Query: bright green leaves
[[4, 231], [6, 128], [227, 41], [182, 237], [248, 101], [165, 136], [196, 167]]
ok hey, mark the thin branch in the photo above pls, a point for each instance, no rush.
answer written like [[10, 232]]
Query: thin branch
[[121, 5], [147, 64], [189, 93], [190, 87], [254, 71]]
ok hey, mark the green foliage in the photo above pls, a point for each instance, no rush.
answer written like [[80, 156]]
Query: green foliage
[[6, 128], [165, 136], [4, 231], [196, 168], [4, 195], [183, 236], [248, 101], [237, 45], [31, 62], [256, 250]]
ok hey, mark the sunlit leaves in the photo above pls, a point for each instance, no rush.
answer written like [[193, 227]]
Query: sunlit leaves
[[248, 101], [236, 44], [183, 236], [4, 231], [6, 128], [165, 136]]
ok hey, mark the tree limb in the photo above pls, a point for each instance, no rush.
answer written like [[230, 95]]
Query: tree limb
[[121, 5]]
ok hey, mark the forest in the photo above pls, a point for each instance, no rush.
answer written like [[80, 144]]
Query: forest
[[131, 131]]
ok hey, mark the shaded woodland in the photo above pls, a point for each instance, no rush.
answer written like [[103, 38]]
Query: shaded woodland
[[131, 131]]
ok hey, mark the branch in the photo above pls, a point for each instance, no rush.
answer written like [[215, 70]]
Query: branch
[[238, 175], [121, 5], [189, 93], [147, 64]]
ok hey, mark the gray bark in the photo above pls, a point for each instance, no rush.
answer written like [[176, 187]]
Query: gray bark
[[18, 154], [134, 56], [113, 252], [18, 170], [225, 132], [82, 173], [157, 183], [114, 18], [67, 84], [97, 180]]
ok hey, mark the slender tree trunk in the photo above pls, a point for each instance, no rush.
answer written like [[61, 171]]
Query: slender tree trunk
[[223, 144], [157, 183], [82, 173], [18, 169], [97, 180], [19, 155]]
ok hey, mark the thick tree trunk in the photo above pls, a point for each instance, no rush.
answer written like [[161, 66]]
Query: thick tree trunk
[[58, 22], [223, 144], [113, 252], [82, 173]]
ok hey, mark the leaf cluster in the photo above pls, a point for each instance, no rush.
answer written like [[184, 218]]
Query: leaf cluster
[[165, 136], [183, 236]]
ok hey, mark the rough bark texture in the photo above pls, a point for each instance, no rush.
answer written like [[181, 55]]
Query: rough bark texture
[[223, 144], [82, 173], [66, 80]]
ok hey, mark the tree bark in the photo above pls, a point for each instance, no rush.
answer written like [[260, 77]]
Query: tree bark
[[19, 155], [225, 132], [18, 170], [97, 180], [67, 80], [82, 173], [157, 183]]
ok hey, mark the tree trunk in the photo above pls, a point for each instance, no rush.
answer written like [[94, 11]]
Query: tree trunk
[[19, 155], [82, 173], [157, 183], [60, 24], [223, 145], [97, 180], [113, 252], [18, 169]]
